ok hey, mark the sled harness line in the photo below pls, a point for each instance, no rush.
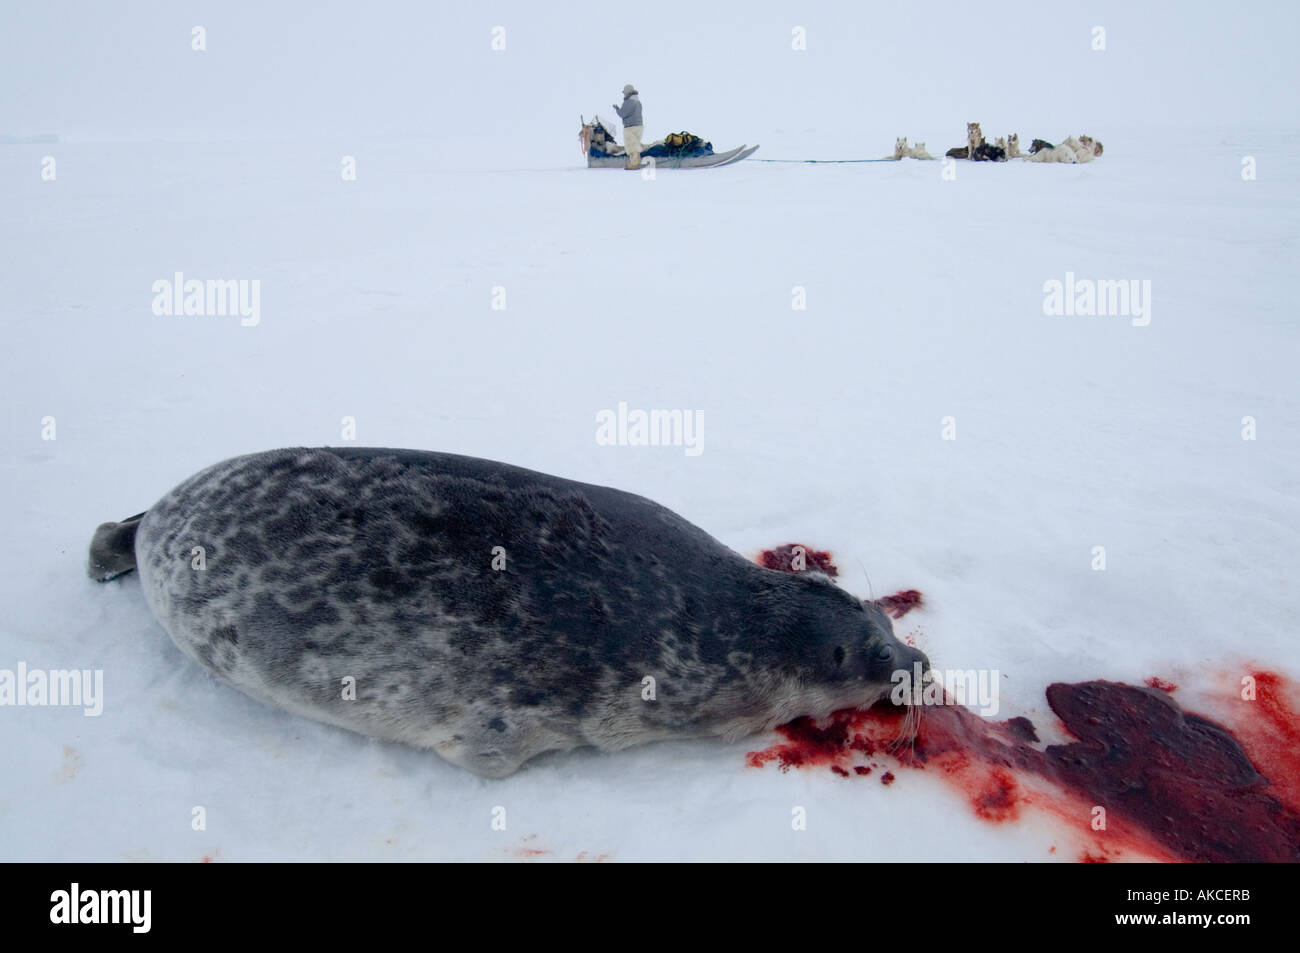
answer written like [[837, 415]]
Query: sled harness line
[[824, 161]]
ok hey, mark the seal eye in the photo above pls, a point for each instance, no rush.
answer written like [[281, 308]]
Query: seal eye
[[839, 655], [885, 651]]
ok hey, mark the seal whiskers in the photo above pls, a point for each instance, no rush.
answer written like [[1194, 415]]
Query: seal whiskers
[[909, 729]]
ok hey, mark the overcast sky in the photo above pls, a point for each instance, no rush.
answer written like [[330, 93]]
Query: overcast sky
[[102, 69]]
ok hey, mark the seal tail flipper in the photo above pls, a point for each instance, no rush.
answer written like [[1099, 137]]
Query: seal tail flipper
[[112, 551]]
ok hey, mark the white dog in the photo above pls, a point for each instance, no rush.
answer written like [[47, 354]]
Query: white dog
[[900, 149], [1085, 148], [1013, 146], [1061, 153], [917, 151], [1089, 149]]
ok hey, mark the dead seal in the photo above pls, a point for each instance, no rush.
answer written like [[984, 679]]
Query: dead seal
[[485, 611]]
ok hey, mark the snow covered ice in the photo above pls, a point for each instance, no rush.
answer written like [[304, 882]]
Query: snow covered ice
[[925, 300]]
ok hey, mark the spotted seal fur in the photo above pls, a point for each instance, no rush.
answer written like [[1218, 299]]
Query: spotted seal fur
[[485, 611]]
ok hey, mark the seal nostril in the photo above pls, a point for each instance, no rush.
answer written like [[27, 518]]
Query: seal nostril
[[885, 651]]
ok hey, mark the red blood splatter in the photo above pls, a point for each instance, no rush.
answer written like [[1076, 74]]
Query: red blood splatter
[[1156, 682], [1174, 785], [1269, 728], [999, 801], [782, 559], [861, 769], [901, 603], [887, 778], [842, 772], [812, 745]]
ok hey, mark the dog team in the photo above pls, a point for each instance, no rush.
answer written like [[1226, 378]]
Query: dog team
[[1082, 149]]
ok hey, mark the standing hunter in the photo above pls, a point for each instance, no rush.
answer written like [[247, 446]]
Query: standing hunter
[[630, 114]]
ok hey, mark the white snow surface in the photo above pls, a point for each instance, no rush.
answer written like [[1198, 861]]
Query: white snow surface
[[822, 426]]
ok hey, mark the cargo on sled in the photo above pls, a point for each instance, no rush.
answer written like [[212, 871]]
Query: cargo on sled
[[678, 150]]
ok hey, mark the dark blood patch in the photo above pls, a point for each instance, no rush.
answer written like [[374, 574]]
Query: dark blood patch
[[796, 557], [901, 603], [1173, 785], [1022, 728]]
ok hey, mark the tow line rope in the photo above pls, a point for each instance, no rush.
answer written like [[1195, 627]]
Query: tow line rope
[[823, 161]]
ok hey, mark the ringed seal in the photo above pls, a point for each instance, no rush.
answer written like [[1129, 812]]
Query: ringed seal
[[485, 611]]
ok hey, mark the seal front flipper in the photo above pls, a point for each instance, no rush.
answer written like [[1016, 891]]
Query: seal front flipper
[[112, 550]]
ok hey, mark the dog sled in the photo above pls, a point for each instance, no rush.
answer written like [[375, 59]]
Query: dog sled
[[679, 150]]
